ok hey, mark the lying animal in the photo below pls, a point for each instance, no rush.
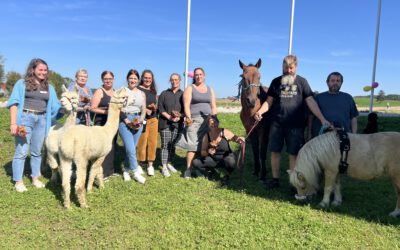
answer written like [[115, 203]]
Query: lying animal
[[370, 156]]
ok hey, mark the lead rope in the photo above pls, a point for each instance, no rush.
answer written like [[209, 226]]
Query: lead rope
[[240, 160]]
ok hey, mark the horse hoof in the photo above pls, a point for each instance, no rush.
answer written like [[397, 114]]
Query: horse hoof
[[323, 205], [336, 203], [395, 213], [67, 206], [84, 206]]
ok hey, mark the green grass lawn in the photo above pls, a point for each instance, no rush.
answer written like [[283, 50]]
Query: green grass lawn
[[364, 102], [175, 213]]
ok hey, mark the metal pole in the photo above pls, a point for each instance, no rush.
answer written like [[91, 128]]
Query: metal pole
[[291, 28], [371, 99], [187, 43]]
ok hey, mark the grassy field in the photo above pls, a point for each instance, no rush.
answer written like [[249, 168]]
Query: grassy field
[[174, 213], [364, 102], [361, 102]]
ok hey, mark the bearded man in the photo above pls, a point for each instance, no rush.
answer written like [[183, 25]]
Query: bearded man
[[287, 98], [338, 107]]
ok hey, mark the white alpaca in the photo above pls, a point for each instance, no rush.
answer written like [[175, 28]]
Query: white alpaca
[[80, 143], [69, 101]]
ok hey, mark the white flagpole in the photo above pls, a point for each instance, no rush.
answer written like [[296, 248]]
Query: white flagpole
[[371, 99], [291, 28], [187, 43]]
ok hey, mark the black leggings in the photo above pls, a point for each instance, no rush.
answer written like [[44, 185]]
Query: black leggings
[[206, 163]]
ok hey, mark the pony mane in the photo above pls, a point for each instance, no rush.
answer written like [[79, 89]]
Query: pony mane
[[314, 154]]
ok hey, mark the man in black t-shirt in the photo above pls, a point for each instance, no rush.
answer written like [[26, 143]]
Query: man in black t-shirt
[[287, 98]]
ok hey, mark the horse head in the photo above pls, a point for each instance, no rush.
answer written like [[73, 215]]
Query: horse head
[[250, 84]]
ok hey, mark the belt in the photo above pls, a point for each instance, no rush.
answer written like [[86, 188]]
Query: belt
[[34, 111], [133, 113]]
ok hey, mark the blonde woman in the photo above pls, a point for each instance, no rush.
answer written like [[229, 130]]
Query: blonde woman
[[85, 97]]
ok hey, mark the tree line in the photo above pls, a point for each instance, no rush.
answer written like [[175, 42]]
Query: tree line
[[381, 96]]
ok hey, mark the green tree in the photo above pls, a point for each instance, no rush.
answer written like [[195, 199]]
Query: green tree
[[57, 80], [12, 78], [2, 73], [381, 96]]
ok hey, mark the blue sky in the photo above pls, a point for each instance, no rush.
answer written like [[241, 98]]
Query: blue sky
[[119, 35]]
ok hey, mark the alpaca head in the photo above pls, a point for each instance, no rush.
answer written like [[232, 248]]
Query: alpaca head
[[120, 98], [69, 99]]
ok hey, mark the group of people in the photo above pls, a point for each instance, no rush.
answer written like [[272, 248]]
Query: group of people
[[290, 100], [184, 118], [181, 118]]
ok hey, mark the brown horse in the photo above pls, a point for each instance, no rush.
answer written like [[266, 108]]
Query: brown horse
[[253, 94]]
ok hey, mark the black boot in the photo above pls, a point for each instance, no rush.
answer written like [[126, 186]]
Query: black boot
[[273, 183], [225, 180]]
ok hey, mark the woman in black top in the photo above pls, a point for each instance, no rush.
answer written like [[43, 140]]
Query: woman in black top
[[215, 150], [170, 107], [147, 145], [100, 102]]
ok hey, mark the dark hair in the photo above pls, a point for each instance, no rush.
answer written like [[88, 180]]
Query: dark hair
[[30, 76], [194, 71], [132, 72], [105, 72], [153, 88], [335, 74], [214, 117]]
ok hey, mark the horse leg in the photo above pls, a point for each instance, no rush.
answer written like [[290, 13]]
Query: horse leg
[[66, 169], [81, 168], [396, 184], [330, 179], [256, 152], [337, 201]]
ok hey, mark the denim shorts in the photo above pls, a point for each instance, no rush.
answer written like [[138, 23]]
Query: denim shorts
[[293, 137]]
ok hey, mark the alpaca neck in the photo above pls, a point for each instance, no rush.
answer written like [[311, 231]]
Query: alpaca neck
[[71, 119], [111, 125]]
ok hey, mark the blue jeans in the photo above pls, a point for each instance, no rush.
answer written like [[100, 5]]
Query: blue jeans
[[36, 128], [130, 137]]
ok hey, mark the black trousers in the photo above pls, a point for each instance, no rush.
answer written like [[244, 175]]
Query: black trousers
[[208, 163]]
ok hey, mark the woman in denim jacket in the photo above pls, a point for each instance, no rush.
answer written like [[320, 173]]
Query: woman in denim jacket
[[33, 105]]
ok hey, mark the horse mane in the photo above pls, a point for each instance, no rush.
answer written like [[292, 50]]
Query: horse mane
[[315, 154]]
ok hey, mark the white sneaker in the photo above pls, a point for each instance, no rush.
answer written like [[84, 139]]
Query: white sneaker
[[140, 169], [187, 174], [20, 188], [139, 178], [171, 168], [165, 172], [126, 176], [150, 170], [38, 184]]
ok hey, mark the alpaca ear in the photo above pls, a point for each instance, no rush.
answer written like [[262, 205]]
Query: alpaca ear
[[118, 92], [64, 89], [76, 89]]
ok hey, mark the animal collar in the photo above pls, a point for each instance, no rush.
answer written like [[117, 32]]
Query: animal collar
[[344, 149]]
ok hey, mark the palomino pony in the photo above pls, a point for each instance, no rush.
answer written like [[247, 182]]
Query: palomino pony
[[253, 94]]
